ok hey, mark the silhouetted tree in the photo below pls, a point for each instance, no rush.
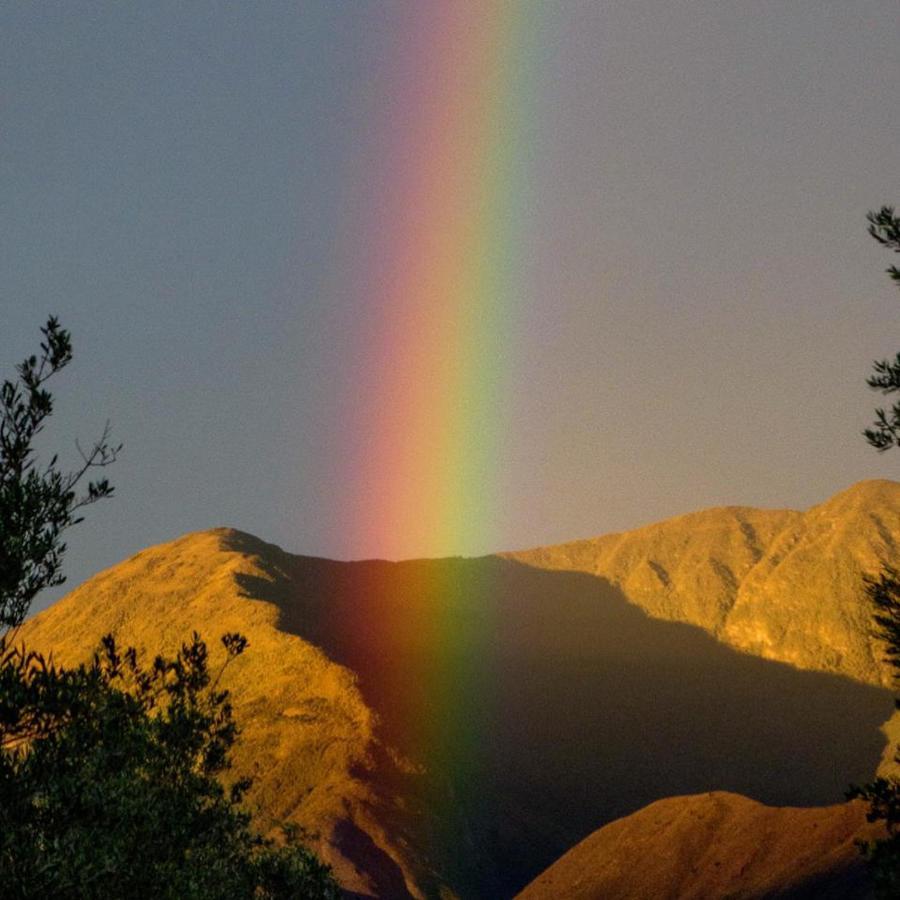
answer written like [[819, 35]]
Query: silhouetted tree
[[883, 794], [37, 505], [883, 593], [110, 772], [884, 226]]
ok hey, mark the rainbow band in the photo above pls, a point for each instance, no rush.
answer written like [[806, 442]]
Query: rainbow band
[[443, 275], [444, 270]]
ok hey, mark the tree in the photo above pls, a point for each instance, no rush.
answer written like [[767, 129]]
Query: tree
[[112, 772], [37, 505], [884, 226], [883, 593], [883, 794]]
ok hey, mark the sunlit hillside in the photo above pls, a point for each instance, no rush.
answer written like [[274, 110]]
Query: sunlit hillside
[[779, 584], [716, 845], [306, 733], [554, 706]]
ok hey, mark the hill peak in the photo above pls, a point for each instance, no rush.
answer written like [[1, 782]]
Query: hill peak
[[334, 676], [874, 491], [717, 844]]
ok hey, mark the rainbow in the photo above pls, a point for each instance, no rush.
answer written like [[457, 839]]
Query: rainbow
[[442, 279], [444, 286]]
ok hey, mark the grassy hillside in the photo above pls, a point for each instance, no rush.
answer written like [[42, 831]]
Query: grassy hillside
[[779, 584], [716, 845], [451, 727]]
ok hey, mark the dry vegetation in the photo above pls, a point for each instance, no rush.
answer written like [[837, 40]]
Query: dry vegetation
[[779, 584], [715, 845]]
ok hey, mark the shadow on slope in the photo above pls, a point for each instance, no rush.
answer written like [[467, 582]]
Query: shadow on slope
[[544, 705]]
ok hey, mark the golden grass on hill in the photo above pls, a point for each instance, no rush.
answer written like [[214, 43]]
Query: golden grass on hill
[[599, 704], [306, 734], [780, 584], [712, 847]]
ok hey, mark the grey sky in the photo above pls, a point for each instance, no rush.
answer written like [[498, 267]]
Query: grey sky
[[177, 181]]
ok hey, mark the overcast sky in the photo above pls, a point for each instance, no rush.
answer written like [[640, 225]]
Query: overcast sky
[[182, 185]]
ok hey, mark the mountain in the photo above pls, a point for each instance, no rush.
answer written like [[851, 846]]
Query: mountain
[[779, 584], [305, 728], [452, 727], [716, 845]]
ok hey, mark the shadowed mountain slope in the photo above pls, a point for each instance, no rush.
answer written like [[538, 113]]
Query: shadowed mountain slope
[[450, 727], [716, 846]]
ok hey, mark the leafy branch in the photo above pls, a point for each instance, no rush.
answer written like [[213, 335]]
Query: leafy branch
[[38, 504]]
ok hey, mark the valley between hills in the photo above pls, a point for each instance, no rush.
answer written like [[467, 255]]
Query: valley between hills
[[673, 712]]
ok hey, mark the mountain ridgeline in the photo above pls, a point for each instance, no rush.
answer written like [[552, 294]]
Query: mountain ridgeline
[[779, 584], [564, 689]]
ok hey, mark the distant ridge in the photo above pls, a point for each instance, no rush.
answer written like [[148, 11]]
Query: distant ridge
[[779, 584]]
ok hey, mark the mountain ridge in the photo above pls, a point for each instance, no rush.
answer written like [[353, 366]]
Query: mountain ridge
[[583, 651], [302, 719], [732, 571]]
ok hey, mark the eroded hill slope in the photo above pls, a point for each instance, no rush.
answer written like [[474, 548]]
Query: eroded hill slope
[[780, 584]]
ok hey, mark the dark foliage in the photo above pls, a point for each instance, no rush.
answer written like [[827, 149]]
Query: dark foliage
[[111, 773], [883, 794], [37, 505], [884, 226], [883, 592], [109, 784]]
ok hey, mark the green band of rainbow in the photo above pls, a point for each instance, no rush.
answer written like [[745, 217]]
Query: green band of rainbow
[[445, 285]]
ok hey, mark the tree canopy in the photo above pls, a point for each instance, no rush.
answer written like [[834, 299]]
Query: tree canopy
[[38, 504], [114, 773], [884, 226]]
